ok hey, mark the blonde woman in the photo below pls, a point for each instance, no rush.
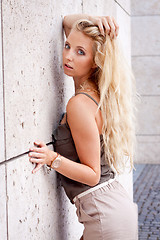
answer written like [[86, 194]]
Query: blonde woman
[[97, 130]]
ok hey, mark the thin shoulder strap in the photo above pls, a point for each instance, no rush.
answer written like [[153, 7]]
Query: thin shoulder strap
[[88, 96]]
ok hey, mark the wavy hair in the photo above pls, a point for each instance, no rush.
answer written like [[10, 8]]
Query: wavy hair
[[117, 89]]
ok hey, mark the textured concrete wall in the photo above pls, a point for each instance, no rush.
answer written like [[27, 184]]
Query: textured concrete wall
[[123, 18], [145, 61], [1, 101], [34, 96], [3, 198]]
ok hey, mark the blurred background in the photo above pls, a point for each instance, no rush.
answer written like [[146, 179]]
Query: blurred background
[[145, 39]]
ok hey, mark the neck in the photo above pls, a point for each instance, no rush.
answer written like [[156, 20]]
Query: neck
[[84, 84], [78, 82]]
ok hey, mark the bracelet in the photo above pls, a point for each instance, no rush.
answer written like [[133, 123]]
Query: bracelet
[[52, 161]]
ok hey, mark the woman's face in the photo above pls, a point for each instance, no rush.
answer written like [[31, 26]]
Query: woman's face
[[78, 55]]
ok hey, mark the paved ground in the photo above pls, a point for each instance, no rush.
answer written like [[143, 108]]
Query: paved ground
[[147, 195]]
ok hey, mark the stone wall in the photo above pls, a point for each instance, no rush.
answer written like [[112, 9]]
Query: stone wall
[[33, 95], [145, 62]]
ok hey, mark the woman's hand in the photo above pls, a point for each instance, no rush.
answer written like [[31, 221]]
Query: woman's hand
[[106, 24], [40, 155]]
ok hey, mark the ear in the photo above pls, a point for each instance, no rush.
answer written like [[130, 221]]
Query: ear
[[94, 65]]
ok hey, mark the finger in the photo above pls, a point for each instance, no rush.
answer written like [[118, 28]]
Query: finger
[[37, 168], [107, 27], [116, 26], [39, 150], [35, 160], [100, 25], [36, 155], [39, 143], [112, 27]]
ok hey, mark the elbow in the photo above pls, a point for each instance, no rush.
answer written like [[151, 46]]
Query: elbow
[[63, 21], [64, 17], [95, 180]]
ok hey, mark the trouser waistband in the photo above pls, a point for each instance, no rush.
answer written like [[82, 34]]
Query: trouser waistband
[[92, 189]]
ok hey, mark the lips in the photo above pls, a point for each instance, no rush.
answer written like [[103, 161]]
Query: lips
[[68, 66]]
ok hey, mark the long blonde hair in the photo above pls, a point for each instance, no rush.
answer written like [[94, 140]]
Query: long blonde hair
[[116, 84]]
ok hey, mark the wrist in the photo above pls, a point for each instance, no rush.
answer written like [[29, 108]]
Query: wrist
[[52, 156]]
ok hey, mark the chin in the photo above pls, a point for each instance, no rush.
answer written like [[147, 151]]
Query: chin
[[68, 74]]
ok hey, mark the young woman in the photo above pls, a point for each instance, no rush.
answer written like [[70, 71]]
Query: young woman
[[97, 131]]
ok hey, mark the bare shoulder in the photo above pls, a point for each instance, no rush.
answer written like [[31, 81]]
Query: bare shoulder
[[78, 102], [83, 103], [80, 113]]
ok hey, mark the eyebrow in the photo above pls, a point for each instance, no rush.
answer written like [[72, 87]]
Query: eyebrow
[[81, 47], [77, 46]]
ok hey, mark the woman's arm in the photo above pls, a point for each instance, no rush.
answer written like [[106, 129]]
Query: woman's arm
[[69, 20], [105, 23], [81, 119], [75, 171]]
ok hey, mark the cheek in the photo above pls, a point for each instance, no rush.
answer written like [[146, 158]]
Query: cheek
[[85, 64]]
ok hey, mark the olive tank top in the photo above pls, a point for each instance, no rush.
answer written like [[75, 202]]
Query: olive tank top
[[63, 144]]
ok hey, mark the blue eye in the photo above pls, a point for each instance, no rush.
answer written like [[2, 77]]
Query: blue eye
[[81, 52], [67, 46]]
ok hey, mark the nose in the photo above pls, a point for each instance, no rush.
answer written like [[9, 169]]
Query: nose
[[69, 55]]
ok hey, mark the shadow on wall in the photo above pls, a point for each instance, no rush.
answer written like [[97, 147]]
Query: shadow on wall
[[63, 219], [58, 78], [58, 75]]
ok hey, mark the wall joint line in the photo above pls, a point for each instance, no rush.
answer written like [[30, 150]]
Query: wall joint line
[[4, 119]]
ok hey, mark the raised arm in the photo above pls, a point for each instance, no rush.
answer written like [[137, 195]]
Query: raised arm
[[69, 20], [106, 24]]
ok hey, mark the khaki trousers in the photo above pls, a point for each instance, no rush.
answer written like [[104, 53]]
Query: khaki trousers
[[108, 213]]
